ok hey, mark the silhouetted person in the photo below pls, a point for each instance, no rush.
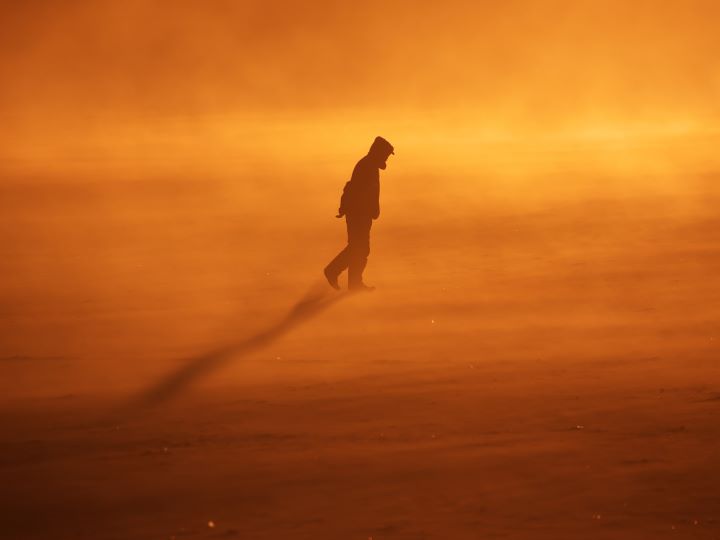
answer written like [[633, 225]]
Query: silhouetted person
[[360, 204]]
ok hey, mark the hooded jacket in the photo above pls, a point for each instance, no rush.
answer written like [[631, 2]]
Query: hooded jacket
[[361, 196]]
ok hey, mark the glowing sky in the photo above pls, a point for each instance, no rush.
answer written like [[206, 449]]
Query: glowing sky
[[152, 70]]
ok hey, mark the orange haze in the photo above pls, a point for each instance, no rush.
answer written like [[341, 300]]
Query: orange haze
[[539, 360], [485, 84]]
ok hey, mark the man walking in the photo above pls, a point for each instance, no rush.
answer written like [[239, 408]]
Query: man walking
[[360, 204]]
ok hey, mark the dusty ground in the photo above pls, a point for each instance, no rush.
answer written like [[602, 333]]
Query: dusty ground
[[546, 371]]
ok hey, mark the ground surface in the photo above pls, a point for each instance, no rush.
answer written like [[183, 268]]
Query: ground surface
[[540, 372]]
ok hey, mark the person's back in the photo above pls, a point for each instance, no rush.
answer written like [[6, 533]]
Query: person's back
[[362, 193], [360, 204]]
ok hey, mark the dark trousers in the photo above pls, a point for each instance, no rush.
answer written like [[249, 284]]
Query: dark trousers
[[354, 256]]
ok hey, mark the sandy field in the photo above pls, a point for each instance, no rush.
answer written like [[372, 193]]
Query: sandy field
[[543, 369]]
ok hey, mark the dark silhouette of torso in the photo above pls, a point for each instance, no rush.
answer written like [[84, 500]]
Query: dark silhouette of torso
[[362, 193]]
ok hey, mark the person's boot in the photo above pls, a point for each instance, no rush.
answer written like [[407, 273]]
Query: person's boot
[[331, 278]]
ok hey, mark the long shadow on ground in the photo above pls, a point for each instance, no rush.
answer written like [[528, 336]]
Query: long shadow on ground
[[314, 302]]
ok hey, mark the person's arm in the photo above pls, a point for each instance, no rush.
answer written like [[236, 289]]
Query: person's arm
[[376, 199]]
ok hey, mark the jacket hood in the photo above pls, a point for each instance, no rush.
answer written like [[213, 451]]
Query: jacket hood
[[381, 147], [380, 150]]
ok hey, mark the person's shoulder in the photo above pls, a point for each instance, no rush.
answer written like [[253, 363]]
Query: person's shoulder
[[364, 163], [369, 165], [363, 167]]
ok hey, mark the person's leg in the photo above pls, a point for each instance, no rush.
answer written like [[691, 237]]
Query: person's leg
[[359, 249], [336, 266], [339, 263]]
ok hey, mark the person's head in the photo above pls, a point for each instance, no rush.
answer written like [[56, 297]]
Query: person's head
[[380, 151]]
